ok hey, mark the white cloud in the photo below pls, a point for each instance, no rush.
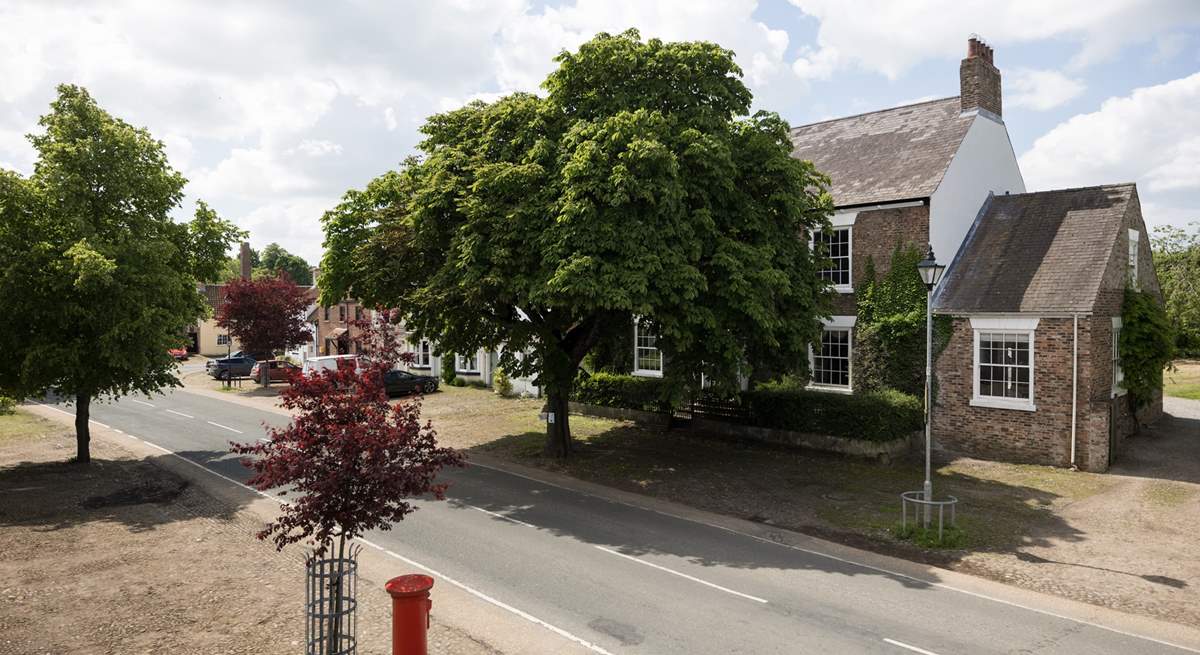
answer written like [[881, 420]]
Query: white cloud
[[890, 37], [317, 148], [1041, 89], [250, 173], [1148, 137], [389, 119]]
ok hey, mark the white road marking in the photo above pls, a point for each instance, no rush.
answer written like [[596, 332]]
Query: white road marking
[[180, 414], [835, 558], [682, 575], [224, 427], [482, 596], [502, 516], [97, 423], [60, 411], [914, 649], [142, 402]]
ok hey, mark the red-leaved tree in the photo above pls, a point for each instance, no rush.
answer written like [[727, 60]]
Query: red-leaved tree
[[265, 315], [351, 459]]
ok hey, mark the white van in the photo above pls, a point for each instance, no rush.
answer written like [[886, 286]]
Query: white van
[[330, 363]]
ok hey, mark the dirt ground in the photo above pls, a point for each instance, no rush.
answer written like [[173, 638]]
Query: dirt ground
[[123, 556]]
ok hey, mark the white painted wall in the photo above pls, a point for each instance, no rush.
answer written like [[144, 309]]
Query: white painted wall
[[985, 162]]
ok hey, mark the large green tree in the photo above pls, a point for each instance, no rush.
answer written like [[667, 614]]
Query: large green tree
[[639, 186], [1177, 260], [275, 258], [96, 280]]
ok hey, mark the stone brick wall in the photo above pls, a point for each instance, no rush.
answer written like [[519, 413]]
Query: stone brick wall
[[979, 80], [1040, 437], [875, 235]]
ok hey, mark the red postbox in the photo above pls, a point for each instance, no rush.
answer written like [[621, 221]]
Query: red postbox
[[410, 613]]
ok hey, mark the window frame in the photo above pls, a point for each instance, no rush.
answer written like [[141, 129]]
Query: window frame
[[1021, 326], [637, 369], [1118, 373], [1135, 239], [848, 286], [836, 324], [424, 354], [223, 340], [460, 359]]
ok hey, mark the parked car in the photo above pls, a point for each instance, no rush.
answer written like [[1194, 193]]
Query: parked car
[[329, 362], [280, 370], [180, 354], [226, 368], [402, 382]]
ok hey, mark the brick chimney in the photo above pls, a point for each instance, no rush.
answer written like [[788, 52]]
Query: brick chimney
[[244, 260], [979, 79]]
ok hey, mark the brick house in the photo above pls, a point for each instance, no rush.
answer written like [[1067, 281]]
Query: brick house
[[915, 174], [1032, 369], [931, 173]]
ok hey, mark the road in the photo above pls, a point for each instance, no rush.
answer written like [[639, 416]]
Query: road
[[622, 579]]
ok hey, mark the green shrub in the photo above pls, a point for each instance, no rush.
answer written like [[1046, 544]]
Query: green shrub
[[1147, 346], [874, 416], [502, 384], [448, 369], [624, 391], [477, 384], [7, 405], [457, 382]]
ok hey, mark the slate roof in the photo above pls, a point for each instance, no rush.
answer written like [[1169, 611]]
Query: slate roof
[[1036, 252], [884, 156]]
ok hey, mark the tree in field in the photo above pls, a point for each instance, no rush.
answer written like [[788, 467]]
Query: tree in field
[[275, 259], [265, 315], [638, 187], [96, 280], [1177, 260]]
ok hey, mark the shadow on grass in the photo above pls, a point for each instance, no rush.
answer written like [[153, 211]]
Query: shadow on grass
[[137, 493], [828, 496]]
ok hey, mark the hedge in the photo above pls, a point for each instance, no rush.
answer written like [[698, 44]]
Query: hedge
[[624, 391], [873, 416]]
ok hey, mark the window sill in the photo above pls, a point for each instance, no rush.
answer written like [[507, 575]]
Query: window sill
[[461, 372], [830, 389], [997, 403], [424, 367], [646, 373], [1117, 393], [843, 288]]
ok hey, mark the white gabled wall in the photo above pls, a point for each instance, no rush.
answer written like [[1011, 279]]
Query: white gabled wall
[[985, 162]]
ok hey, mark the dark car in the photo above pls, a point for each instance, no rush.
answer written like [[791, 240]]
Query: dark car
[[402, 382], [280, 370], [226, 368]]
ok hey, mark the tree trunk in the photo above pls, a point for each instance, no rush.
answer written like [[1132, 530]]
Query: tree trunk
[[83, 436], [558, 432]]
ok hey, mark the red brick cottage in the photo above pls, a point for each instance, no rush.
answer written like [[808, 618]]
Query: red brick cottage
[[1032, 371]]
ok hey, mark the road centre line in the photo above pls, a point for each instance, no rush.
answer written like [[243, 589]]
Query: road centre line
[[502, 516], [180, 414], [682, 575], [224, 427], [142, 402], [869, 567], [914, 649]]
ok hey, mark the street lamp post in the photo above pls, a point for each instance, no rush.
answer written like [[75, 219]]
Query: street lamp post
[[931, 273]]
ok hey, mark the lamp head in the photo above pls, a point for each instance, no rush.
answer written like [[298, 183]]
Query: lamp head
[[930, 270]]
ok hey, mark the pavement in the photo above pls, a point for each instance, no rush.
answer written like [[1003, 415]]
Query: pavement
[[595, 570]]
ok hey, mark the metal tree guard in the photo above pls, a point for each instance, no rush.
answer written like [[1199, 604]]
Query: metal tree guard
[[330, 601]]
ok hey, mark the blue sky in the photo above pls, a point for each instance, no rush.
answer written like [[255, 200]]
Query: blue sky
[[273, 109]]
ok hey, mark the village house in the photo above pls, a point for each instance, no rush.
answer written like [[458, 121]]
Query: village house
[[1035, 268]]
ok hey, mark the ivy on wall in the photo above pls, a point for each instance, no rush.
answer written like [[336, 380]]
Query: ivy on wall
[[1147, 346]]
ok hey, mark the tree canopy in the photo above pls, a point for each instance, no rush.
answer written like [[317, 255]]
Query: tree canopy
[[274, 258], [639, 186], [265, 315], [1177, 260], [96, 278]]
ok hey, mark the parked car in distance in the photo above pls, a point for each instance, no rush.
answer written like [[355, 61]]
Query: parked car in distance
[[227, 368], [279, 370], [402, 382], [329, 363], [180, 354]]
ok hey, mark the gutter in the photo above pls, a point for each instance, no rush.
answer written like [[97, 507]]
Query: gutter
[[1074, 386]]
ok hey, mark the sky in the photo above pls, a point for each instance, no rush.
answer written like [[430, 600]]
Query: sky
[[272, 110]]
